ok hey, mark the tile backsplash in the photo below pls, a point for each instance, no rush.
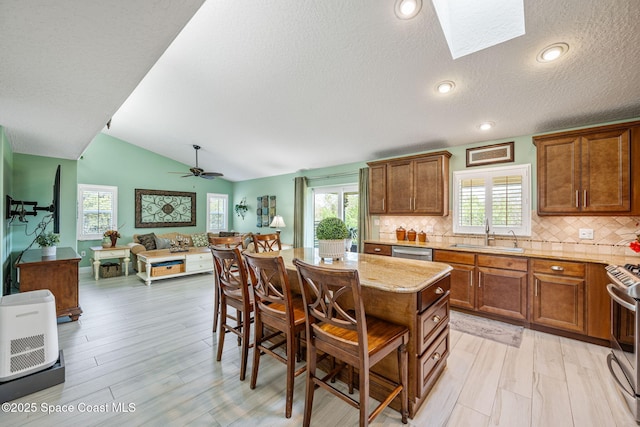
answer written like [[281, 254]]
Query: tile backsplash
[[611, 233]]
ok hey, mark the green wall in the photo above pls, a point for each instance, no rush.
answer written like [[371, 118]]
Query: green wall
[[111, 161]]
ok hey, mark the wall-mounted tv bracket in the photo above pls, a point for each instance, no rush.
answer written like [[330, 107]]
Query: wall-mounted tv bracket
[[19, 208]]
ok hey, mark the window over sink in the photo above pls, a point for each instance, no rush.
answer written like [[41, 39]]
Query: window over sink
[[499, 196]]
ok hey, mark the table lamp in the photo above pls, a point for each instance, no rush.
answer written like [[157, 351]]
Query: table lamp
[[277, 222]]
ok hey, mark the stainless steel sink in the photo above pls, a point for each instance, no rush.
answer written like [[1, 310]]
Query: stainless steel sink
[[487, 248]]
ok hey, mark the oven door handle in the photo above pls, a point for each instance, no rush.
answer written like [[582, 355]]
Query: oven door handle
[[615, 295], [610, 360]]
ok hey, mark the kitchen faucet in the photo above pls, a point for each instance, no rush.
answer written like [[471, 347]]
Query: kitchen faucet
[[486, 233], [515, 239]]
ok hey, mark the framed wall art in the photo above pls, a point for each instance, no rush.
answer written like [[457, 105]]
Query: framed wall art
[[265, 211], [490, 154], [160, 208]]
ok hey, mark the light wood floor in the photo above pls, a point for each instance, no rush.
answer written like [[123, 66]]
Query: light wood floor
[[152, 348]]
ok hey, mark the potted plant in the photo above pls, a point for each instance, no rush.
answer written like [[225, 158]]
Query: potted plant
[[353, 234], [241, 208], [331, 233], [48, 243]]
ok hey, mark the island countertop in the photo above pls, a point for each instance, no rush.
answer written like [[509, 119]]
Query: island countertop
[[396, 275]]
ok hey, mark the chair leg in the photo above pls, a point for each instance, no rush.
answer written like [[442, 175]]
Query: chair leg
[[364, 397], [239, 325], [246, 328], [216, 306], [310, 385], [257, 341], [291, 370], [403, 367], [222, 332]]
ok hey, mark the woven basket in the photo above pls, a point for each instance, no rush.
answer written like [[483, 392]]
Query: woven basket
[[110, 269], [331, 248]]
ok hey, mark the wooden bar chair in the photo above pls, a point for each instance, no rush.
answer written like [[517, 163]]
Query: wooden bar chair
[[281, 313], [234, 292], [225, 242], [267, 242], [336, 324]]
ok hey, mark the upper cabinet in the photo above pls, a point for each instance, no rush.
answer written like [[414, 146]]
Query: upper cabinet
[[589, 171], [410, 185]]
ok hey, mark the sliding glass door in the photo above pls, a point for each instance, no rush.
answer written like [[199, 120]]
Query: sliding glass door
[[341, 202]]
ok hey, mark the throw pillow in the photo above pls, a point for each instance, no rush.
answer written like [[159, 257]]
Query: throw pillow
[[148, 241], [162, 243], [200, 240]]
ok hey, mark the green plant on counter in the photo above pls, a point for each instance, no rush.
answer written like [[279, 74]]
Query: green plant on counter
[[332, 228], [353, 233], [48, 239]]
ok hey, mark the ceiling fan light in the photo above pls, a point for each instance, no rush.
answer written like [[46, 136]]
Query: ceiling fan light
[[552, 52], [445, 86], [407, 9]]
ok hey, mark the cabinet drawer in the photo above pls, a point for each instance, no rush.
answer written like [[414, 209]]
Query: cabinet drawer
[[199, 257], [115, 253], [431, 323], [505, 262], [433, 292], [196, 265], [429, 362], [564, 268], [375, 249], [455, 257]]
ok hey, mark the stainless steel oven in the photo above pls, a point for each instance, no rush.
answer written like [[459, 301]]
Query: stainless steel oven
[[623, 360]]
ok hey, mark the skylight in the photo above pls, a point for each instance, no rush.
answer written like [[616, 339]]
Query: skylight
[[472, 25]]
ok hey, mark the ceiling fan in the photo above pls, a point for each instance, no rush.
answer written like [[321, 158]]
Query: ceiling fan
[[197, 171]]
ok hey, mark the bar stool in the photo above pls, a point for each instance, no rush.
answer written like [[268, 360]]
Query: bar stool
[[234, 292], [225, 242], [281, 313], [335, 328], [267, 242]]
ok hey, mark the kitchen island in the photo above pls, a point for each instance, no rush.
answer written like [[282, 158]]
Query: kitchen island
[[411, 293]]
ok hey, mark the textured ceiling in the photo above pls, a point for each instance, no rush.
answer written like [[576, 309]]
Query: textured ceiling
[[272, 87]]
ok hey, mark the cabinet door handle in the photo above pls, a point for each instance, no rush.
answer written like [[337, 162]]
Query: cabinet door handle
[[535, 288], [577, 199], [436, 356], [436, 319], [377, 250], [439, 291], [557, 268], [383, 203], [584, 199]]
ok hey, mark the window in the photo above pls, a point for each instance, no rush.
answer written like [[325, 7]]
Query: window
[[97, 210], [500, 195], [217, 212], [341, 202]]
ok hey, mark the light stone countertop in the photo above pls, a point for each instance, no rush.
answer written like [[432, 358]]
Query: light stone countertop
[[529, 253], [389, 274]]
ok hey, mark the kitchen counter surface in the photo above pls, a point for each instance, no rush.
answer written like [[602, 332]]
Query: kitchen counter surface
[[530, 253], [396, 275]]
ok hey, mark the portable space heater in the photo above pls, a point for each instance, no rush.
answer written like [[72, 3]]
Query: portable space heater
[[28, 333]]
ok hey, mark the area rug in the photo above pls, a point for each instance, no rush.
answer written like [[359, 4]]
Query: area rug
[[501, 332]]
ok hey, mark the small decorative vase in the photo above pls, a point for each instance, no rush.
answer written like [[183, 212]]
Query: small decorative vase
[[48, 251], [106, 242], [114, 240], [331, 248]]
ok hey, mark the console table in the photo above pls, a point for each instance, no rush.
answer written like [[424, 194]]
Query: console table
[[57, 273], [99, 253], [196, 260]]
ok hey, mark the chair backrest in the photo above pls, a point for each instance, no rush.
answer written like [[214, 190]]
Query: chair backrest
[[332, 296], [227, 242], [267, 242], [271, 288], [230, 272]]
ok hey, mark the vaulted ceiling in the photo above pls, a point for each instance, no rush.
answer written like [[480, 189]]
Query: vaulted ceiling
[[272, 87]]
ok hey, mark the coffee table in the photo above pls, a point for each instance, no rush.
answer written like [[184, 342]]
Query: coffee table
[[177, 264]]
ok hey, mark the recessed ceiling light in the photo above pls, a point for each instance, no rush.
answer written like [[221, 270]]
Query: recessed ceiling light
[[486, 125], [445, 86], [407, 9], [552, 52]]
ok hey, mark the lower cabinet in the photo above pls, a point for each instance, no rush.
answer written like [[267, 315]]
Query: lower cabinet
[[502, 286], [463, 291], [558, 298]]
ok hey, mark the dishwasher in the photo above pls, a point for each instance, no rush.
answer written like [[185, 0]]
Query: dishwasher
[[421, 254]]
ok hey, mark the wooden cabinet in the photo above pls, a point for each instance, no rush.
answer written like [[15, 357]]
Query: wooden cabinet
[[377, 249], [502, 286], [58, 273], [558, 294], [589, 171], [410, 185], [463, 291], [598, 302]]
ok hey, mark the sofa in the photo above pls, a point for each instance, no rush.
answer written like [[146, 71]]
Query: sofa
[[152, 241]]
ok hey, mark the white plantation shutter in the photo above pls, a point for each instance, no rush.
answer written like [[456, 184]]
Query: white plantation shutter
[[499, 194], [97, 210]]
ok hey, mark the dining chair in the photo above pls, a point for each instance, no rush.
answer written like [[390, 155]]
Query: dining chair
[[278, 318], [336, 324], [226, 242], [267, 242], [234, 292]]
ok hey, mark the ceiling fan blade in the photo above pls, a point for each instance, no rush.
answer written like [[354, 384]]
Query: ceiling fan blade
[[186, 176], [210, 175]]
